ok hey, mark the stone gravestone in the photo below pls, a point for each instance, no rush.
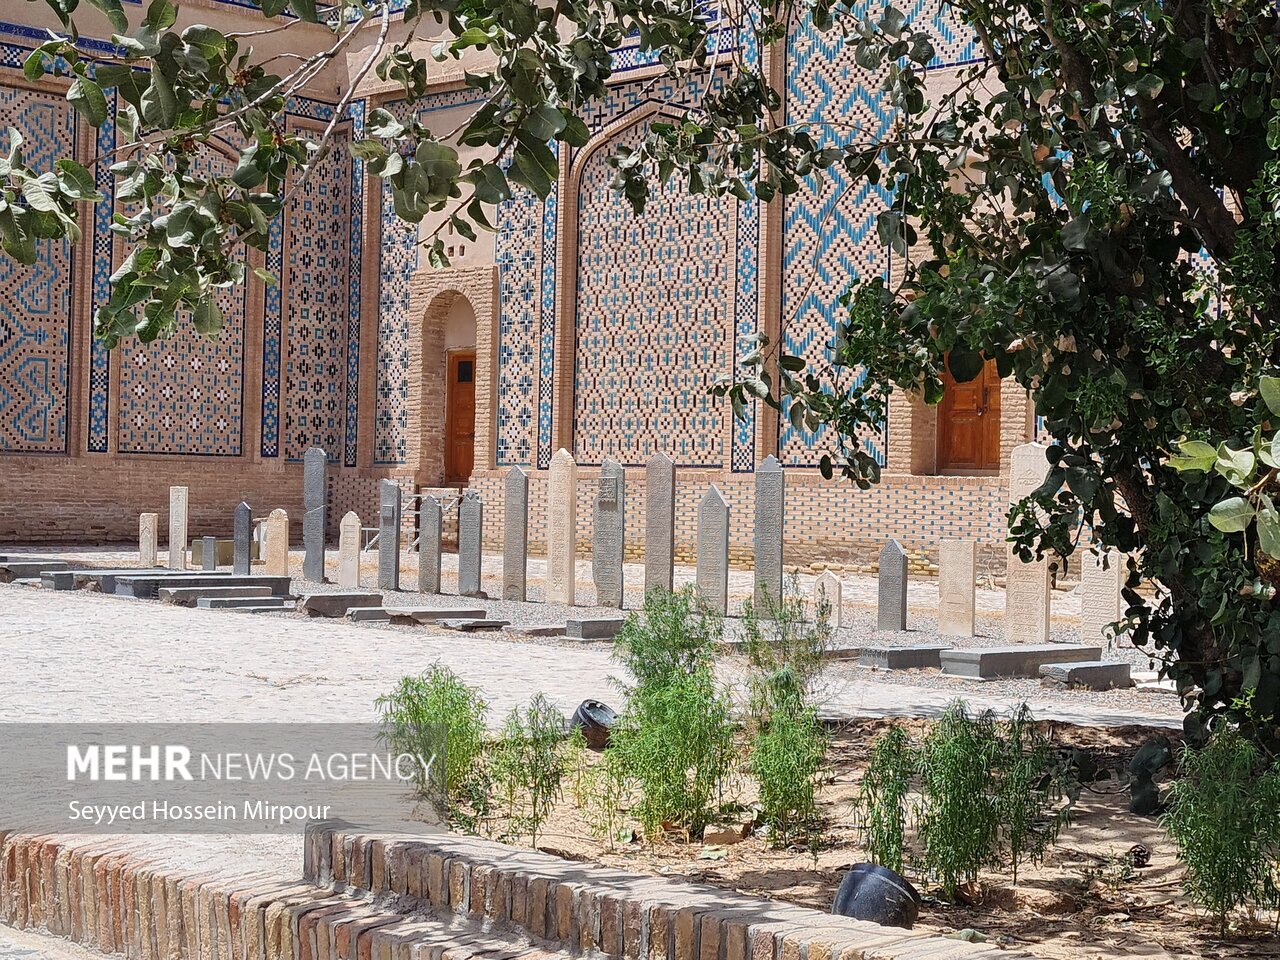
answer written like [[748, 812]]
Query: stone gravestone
[[177, 528], [349, 550], [515, 535], [470, 544], [389, 535], [713, 550], [891, 597], [610, 534], [957, 572], [148, 540], [1026, 592], [242, 540], [209, 553], [1100, 601], [430, 527], [770, 486], [277, 560], [562, 529], [314, 463], [659, 523], [828, 585]]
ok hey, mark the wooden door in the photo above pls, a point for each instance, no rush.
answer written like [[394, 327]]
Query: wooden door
[[969, 423], [460, 417]]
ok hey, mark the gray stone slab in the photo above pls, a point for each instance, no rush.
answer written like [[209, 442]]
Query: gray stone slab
[[28, 582], [470, 544], [608, 542], [242, 539], [19, 569], [536, 629], [409, 615], [284, 606], [146, 587], [389, 535], [105, 579], [148, 540], [230, 603], [368, 615], [713, 550], [313, 545], [1021, 660], [915, 657], [469, 625], [430, 527], [187, 596], [515, 536], [659, 523], [209, 553], [594, 628], [315, 463], [1087, 674], [337, 604], [767, 542], [891, 592]]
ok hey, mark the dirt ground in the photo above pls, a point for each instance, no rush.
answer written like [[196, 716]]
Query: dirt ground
[[1083, 901]]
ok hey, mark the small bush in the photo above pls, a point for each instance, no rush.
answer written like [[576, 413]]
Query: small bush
[[1222, 814], [1031, 790], [787, 755], [528, 765], [882, 798], [677, 635], [786, 651]]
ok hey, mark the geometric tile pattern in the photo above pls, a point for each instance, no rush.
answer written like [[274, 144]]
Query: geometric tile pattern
[[398, 260], [520, 264], [183, 395], [35, 321], [655, 319]]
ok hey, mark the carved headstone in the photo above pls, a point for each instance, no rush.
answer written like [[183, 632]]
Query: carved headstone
[[1100, 602], [242, 540], [515, 535], [349, 550], [209, 553], [389, 535], [430, 527], [891, 597], [713, 550], [610, 533], [470, 544], [828, 586], [148, 540], [177, 528], [277, 561], [770, 488], [659, 522], [1026, 594], [314, 463], [957, 572], [562, 529]]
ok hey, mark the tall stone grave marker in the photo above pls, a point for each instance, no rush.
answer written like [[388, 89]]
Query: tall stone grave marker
[[209, 553], [349, 550], [470, 544], [148, 545], [659, 522], [1100, 602], [770, 488], [610, 533], [314, 463], [713, 550], [891, 597], [515, 535], [828, 585], [277, 560], [177, 528], [389, 535], [1026, 592], [242, 540], [562, 528], [957, 572], [430, 532]]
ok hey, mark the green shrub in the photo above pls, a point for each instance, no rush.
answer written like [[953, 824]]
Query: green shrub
[[1222, 814], [527, 766], [1031, 790], [787, 755], [882, 798], [786, 650], [677, 634]]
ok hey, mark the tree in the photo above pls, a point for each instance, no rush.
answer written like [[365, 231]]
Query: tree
[[1093, 206]]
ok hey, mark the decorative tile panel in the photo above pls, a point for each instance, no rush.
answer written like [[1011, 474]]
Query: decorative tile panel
[[35, 324], [520, 274]]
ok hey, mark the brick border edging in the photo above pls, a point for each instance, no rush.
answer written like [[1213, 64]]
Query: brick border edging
[[598, 911]]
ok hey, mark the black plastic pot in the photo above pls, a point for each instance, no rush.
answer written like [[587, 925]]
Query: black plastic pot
[[875, 893], [595, 720]]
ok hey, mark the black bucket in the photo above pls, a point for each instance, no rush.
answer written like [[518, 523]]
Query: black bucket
[[595, 720], [877, 894]]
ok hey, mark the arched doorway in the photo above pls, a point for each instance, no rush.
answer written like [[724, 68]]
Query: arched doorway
[[460, 391]]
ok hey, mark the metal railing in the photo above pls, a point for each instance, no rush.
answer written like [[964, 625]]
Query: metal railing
[[411, 506]]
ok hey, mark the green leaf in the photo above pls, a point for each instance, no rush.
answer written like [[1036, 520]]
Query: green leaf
[[75, 180], [964, 364], [1076, 233], [1149, 86], [382, 123], [159, 104], [266, 276], [38, 193], [1232, 515], [206, 317], [1268, 527], [161, 15], [87, 98], [1236, 465], [1196, 455], [1269, 387]]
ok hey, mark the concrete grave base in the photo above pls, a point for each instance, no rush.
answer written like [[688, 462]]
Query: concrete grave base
[[337, 604], [594, 628], [1022, 660], [1087, 674], [916, 657]]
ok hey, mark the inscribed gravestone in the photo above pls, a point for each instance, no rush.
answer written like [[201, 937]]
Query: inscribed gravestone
[[470, 544], [562, 528], [177, 528], [713, 550], [349, 551], [148, 537], [659, 522], [430, 527], [314, 462], [389, 535], [1100, 602], [957, 571], [891, 596], [770, 488], [828, 585], [1026, 593], [209, 553], [277, 564], [242, 540], [515, 535], [610, 522]]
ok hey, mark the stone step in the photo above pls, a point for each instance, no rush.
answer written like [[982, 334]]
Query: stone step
[[77, 578], [145, 587], [1086, 674], [27, 582], [337, 604], [472, 624], [920, 656], [594, 628], [411, 615], [288, 606], [1018, 660], [187, 596], [21, 569], [368, 615], [229, 603], [535, 629]]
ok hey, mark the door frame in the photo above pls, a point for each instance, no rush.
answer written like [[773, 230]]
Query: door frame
[[941, 425], [452, 357]]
